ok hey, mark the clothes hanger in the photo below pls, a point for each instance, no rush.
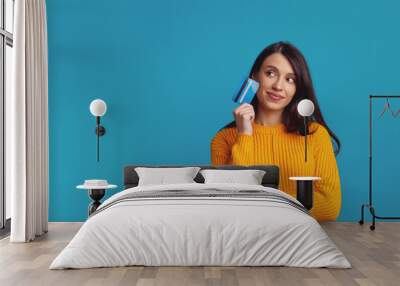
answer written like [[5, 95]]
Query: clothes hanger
[[386, 107]]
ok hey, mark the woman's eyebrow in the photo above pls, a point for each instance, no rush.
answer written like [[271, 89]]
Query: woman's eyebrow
[[271, 66]]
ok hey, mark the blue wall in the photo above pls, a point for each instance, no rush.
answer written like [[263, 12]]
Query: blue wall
[[167, 70]]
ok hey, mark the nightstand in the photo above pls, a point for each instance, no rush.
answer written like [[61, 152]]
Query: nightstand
[[96, 191]]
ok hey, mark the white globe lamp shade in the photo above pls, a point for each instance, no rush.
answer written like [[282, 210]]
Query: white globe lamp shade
[[305, 107], [98, 107]]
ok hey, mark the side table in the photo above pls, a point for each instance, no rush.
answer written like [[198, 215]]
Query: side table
[[96, 191]]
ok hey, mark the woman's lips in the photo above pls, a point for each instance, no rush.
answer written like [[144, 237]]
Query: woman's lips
[[274, 96]]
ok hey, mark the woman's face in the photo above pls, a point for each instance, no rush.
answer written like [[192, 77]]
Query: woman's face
[[277, 83]]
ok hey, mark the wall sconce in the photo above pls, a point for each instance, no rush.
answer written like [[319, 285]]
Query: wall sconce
[[304, 192], [98, 108], [305, 108]]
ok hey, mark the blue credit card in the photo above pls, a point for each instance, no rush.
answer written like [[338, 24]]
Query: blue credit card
[[246, 92]]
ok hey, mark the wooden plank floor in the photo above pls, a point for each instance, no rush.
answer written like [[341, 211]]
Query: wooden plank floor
[[375, 257]]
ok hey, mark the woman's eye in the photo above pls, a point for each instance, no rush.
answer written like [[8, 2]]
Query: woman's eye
[[290, 80], [270, 73]]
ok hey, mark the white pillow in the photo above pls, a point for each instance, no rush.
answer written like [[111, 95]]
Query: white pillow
[[249, 177], [163, 176]]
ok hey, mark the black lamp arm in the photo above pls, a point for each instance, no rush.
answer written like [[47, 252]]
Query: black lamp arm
[[305, 138], [100, 131]]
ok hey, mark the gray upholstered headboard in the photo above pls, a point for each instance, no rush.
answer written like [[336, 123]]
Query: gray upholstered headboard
[[270, 179]]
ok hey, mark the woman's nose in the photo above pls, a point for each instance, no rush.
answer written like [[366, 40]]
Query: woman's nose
[[277, 84]]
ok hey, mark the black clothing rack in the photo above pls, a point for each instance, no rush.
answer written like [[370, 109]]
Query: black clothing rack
[[370, 205]]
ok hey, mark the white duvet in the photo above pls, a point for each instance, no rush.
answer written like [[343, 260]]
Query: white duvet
[[200, 231]]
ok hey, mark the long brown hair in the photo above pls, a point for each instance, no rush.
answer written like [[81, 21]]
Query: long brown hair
[[304, 90]]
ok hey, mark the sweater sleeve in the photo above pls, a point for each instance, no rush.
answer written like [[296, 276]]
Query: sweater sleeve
[[243, 150], [220, 150], [327, 193], [229, 148]]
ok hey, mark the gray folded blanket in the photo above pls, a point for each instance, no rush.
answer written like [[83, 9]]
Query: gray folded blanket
[[206, 194]]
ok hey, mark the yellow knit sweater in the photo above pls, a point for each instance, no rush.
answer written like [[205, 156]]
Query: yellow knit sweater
[[272, 145]]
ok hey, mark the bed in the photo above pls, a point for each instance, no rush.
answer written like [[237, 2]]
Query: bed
[[201, 224]]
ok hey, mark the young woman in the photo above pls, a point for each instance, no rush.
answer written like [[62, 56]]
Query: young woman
[[269, 130]]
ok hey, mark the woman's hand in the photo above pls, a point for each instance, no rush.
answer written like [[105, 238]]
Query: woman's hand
[[244, 116]]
